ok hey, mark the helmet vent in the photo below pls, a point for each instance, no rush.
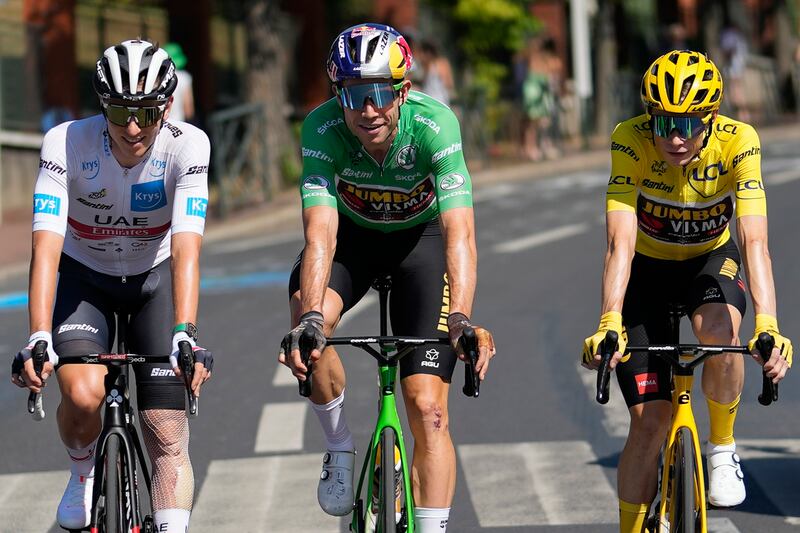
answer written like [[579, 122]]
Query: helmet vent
[[352, 50], [700, 96], [716, 96], [669, 84], [693, 60], [708, 75], [654, 90], [674, 58], [371, 46]]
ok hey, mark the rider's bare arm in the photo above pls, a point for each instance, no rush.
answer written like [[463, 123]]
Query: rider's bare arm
[[752, 233], [621, 235], [458, 231], [320, 224]]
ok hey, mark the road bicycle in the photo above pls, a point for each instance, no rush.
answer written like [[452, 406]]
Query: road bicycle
[[115, 497], [681, 498], [387, 505]]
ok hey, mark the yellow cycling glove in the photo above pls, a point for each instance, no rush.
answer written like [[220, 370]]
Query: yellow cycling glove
[[611, 321], [769, 324]]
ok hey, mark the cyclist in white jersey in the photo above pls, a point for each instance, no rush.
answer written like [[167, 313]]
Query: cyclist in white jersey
[[116, 196]]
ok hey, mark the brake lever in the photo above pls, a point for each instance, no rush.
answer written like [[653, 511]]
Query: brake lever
[[469, 343], [306, 345], [769, 390], [186, 362], [607, 349], [35, 400]]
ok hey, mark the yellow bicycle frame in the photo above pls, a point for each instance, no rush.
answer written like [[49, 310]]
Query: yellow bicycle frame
[[682, 416]]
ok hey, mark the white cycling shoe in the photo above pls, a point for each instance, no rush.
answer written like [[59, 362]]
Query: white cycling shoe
[[725, 476], [76, 504], [335, 489]]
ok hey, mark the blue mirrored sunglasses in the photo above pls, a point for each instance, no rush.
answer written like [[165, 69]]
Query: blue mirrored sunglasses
[[381, 94], [687, 127]]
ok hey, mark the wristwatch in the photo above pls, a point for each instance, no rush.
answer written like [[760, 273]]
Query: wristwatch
[[188, 327]]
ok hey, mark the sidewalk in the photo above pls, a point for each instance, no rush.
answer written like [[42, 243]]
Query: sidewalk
[[282, 214]]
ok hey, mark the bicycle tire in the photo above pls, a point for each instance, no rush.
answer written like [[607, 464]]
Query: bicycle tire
[[115, 501], [389, 492], [685, 464]]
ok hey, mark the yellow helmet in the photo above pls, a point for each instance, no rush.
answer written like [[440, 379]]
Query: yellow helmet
[[682, 81]]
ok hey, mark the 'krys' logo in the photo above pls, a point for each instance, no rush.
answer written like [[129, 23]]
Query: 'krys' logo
[[90, 169], [158, 167], [47, 204], [148, 196]]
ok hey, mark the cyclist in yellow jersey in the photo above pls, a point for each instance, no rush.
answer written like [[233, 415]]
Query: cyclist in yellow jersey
[[679, 174]]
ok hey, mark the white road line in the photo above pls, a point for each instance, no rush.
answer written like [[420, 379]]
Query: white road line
[[28, 502], [262, 494], [280, 428], [492, 193], [537, 239], [615, 412], [785, 176], [722, 525], [537, 484], [772, 463]]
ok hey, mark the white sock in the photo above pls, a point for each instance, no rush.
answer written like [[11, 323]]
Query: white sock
[[172, 520], [331, 417], [431, 520], [82, 459]]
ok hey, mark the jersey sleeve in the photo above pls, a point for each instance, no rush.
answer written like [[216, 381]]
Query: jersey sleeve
[[625, 171], [50, 197], [318, 179], [452, 180], [190, 202], [746, 164]]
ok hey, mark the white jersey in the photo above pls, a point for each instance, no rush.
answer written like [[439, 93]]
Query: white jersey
[[117, 220]]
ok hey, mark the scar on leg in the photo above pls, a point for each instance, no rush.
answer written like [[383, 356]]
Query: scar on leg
[[437, 423]]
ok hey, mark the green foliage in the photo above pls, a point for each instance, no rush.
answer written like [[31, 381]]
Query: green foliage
[[489, 33], [492, 25]]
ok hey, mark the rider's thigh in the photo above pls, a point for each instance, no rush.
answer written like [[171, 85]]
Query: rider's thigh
[[425, 397], [717, 323]]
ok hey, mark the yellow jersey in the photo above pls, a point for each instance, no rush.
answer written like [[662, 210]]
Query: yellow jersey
[[683, 212]]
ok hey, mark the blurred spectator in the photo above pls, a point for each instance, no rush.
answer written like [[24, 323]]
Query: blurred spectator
[[437, 80], [542, 83], [183, 103], [733, 46]]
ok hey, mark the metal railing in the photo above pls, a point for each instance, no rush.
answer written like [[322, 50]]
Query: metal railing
[[239, 156]]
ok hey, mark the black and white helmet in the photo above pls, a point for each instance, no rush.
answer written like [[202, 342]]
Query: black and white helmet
[[135, 71]]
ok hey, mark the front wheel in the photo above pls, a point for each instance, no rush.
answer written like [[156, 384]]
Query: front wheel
[[393, 515], [686, 512], [115, 504]]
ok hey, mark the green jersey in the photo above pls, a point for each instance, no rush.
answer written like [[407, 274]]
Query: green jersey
[[423, 174]]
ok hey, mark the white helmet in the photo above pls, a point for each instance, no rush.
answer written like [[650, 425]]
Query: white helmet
[[126, 66]]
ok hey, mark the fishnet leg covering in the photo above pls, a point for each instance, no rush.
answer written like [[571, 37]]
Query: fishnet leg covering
[[166, 437]]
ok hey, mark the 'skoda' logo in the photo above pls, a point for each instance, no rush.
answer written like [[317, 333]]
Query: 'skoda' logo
[[407, 157]]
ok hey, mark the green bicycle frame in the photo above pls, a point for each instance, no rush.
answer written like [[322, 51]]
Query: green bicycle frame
[[387, 418]]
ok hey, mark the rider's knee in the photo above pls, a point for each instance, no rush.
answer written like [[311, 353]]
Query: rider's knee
[[429, 410], [715, 331], [652, 424], [81, 397]]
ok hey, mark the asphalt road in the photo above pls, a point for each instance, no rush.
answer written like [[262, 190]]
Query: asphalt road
[[535, 452]]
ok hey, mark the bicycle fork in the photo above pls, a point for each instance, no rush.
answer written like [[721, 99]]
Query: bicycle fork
[[682, 416]]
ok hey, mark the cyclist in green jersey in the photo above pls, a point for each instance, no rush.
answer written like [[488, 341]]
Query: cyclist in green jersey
[[385, 190]]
